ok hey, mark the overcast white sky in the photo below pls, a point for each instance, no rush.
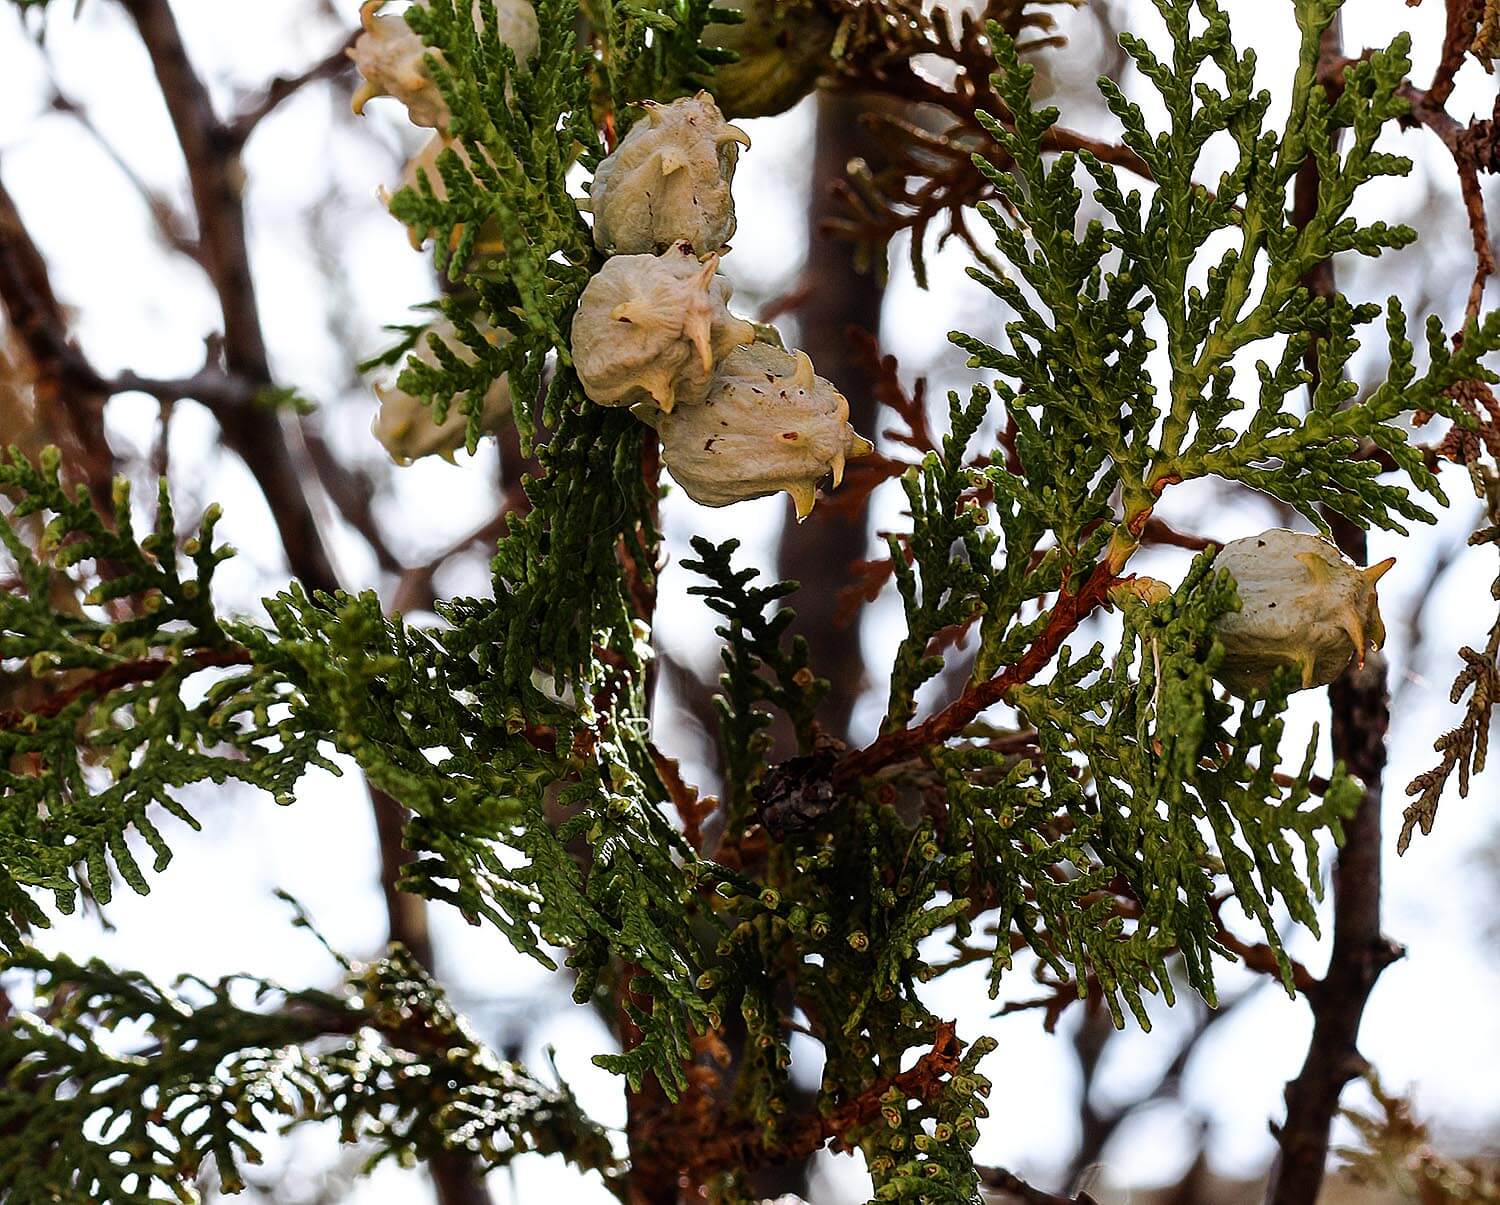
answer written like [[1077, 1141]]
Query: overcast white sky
[[1431, 1024]]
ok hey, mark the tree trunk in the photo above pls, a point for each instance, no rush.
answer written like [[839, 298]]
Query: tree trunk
[[820, 552]]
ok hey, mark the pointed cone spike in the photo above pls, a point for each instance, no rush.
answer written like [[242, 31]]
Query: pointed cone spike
[[804, 497], [1377, 571], [838, 469], [859, 446], [710, 267], [733, 134], [699, 330], [1317, 568], [367, 12], [1354, 627], [363, 95], [670, 161], [1309, 667], [803, 376], [662, 394]]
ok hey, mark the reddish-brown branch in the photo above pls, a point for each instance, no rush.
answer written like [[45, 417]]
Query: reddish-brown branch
[[1067, 613], [927, 127], [692, 808], [1260, 957], [170, 222], [130, 673], [1000, 1180], [923, 1081], [1463, 22], [69, 415], [406, 913], [1158, 532]]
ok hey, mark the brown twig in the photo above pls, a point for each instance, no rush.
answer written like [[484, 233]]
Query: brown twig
[[72, 416], [170, 223], [929, 131], [129, 673], [923, 1081], [1259, 956], [692, 808], [353, 494], [1156, 531], [1068, 612], [211, 152], [215, 177], [1000, 1180], [239, 128]]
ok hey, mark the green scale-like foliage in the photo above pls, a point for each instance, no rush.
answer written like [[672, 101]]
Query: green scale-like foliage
[[1180, 790], [754, 640], [385, 1059], [112, 736], [1099, 833], [1078, 348]]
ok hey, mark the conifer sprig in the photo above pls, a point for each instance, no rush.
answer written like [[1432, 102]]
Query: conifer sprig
[[753, 641], [102, 732], [1096, 826], [206, 1079]]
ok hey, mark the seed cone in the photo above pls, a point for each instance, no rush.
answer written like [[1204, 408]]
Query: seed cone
[[1302, 604], [652, 329], [769, 424], [669, 181]]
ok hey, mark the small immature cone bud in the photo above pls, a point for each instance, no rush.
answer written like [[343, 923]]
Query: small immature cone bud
[[669, 181], [392, 58], [404, 424], [1302, 604], [768, 424], [1133, 589], [652, 329]]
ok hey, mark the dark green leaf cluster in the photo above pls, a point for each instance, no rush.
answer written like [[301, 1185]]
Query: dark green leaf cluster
[[651, 50], [752, 643], [492, 754], [841, 915], [922, 1151], [1143, 788], [521, 128], [492, 770], [501, 217], [99, 730], [1079, 349], [1183, 788], [1105, 828], [943, 580], [214, 1068]]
